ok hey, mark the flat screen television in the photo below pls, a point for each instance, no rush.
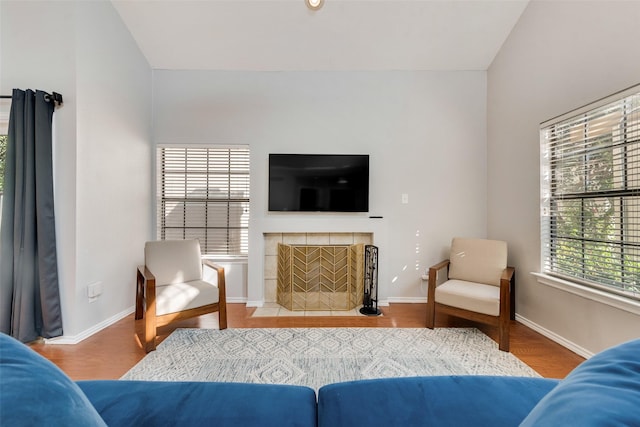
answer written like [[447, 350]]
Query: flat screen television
[[319, 182]]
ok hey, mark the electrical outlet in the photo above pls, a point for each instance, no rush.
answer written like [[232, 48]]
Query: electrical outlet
[[405, 198], [94, 290]]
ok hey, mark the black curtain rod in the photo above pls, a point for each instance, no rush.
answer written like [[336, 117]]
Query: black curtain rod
[[55, 97]]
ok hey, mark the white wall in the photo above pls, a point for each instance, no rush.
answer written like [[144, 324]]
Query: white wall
[[560, 56], [102, 145], [425, 133], [113, 161]]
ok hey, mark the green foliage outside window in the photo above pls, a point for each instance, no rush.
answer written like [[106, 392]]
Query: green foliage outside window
[[593, 225], [587, 227]]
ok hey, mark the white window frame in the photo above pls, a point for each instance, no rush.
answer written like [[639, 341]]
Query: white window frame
[[585, 286], [235, 198]]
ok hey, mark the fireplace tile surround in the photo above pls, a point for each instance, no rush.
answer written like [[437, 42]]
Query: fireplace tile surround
[[271, 241]]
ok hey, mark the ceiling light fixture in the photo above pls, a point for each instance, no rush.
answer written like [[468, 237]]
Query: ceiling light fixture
[[314, 4]]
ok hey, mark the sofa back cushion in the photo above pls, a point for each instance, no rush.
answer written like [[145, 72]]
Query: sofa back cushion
[[456, 401], [201, 403], [35, 392], [477, 260], [173, 261], [604, 390]]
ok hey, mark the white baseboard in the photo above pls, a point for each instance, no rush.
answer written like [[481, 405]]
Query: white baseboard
[[581, 351], [259, 303], [75, 339]]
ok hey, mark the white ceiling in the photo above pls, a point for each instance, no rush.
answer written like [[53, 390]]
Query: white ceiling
[[283, 35]]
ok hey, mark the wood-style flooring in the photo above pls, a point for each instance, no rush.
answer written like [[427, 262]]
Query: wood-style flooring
[[110, 353]]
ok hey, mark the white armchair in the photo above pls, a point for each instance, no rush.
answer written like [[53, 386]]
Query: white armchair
[[479, 286], [170, 287]]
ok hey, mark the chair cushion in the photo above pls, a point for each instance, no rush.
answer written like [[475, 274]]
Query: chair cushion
[[183, 296], [35, 392], [477, 260], [173, 261], [602, 391], [478, 297]]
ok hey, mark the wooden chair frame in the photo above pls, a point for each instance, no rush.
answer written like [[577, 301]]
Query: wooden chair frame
[[507, 304], [146, 305]]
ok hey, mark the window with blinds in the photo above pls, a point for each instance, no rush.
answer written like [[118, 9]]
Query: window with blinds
[[590, 192], [203, 193]]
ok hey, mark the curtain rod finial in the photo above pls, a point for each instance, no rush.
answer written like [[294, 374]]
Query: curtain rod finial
[[57, 98]]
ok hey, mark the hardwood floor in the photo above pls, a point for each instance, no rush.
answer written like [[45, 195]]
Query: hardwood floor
[[110, 353]]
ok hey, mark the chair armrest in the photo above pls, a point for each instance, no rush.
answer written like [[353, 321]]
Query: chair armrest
[[508, 291], [147, 282], [145, 296], [434, 269], [507, 274], [212, 264], [506, 280], [145, 274], [220, 272], [222, 290], [440, 265], [431, 291], [433, 278]]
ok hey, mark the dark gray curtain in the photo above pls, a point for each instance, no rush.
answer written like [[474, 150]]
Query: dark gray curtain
[[30, 299]]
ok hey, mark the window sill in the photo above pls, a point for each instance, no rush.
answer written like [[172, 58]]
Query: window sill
[[227, 258], [593, 294]]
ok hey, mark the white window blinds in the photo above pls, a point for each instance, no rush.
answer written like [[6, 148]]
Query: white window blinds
[[203, 193], [590, 193]]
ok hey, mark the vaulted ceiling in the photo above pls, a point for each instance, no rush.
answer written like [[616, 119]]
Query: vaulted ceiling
[[283, 35]]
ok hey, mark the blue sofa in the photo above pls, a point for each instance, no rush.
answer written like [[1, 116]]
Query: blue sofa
[[604, 390]]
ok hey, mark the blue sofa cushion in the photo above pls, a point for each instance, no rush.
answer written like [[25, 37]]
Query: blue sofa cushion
[[602, 391], [436, 401], [155, 403], [35, 392]]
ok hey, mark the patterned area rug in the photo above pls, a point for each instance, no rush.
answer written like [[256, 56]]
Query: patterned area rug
[[319, 356]]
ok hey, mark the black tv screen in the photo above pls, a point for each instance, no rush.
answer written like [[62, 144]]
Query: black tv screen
[[319, 182]]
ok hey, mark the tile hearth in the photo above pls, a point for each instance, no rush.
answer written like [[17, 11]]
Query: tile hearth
[[271, 309]]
